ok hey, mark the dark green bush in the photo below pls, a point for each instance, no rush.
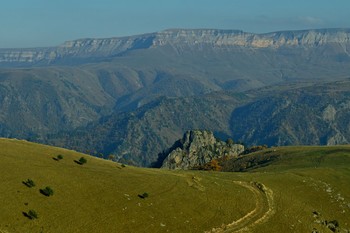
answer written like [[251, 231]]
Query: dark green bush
[[47, 191], [143, 196], [32, 214], [82, 160], [59, 157], [29, 183]]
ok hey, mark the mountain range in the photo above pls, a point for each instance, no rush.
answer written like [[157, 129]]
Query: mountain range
[[84, 50], [134, 96]]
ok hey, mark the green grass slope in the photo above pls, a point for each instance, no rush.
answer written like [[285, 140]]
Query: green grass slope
[[102, 196], [299, 190], [311, 185]]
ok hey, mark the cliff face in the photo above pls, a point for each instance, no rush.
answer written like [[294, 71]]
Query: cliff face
[[239, 38], [77, 49], [177, 38], [197, 148]]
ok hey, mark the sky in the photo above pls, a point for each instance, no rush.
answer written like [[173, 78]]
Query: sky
[[41, 23]]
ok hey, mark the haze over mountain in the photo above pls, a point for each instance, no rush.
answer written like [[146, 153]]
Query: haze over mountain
[[134, 96], [179, 39]]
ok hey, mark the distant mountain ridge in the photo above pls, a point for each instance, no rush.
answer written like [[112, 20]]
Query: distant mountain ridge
[[276, 116], [84, 50], [134, 96]]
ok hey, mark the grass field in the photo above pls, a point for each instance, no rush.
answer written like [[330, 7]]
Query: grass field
[[295, 193]]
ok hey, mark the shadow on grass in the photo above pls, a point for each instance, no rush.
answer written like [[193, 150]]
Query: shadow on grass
[[56, 159], [25, 214], [29, 183], [43, 192], [77, 162], [26, 184], [31, 214], [143, 196], [46, 192]]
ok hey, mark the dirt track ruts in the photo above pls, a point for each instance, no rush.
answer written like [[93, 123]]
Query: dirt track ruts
[[264, 209]]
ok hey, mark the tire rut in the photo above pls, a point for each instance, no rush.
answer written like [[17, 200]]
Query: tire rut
[[264, 209]]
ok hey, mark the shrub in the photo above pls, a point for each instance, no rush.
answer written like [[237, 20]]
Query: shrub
[[213, 165], [47, 191], [82, 160], [59, 157], [29, 183], [143, 196], [32, 214]]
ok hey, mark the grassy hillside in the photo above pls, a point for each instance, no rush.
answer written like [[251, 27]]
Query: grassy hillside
[[298, 191], [102, 196], [311, 185]]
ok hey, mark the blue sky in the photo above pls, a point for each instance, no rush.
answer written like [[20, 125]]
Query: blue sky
[[32, 23]]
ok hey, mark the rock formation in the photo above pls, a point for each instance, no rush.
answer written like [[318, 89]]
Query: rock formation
[[197, 148]]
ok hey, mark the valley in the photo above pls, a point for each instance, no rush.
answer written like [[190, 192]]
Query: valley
[[132, 97], [198, 101], [175, 116]]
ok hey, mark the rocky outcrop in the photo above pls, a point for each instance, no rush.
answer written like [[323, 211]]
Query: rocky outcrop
[[197, 148], [92, 49]]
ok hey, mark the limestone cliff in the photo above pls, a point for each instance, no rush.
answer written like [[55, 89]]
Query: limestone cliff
[[197, 148], [92, 49], [239, 38]]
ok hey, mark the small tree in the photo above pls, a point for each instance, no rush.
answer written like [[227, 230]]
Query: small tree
[[29, 183], [59, 157], [32, 214], [82, 160], [47, 191]]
